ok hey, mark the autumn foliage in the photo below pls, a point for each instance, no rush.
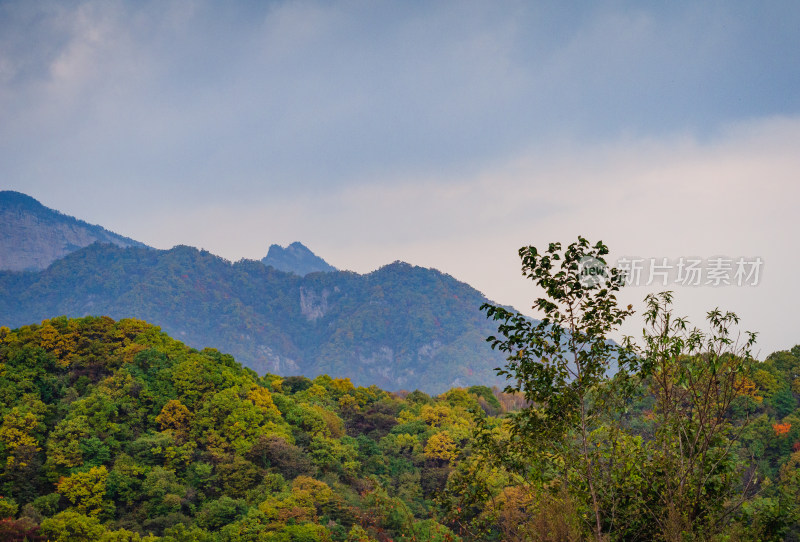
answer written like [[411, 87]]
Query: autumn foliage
[[115, 431]]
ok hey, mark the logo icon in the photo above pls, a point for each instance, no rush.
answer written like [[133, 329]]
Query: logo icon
[[592, 272]]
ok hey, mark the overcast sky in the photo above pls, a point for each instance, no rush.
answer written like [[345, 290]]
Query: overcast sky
[[444, 134]]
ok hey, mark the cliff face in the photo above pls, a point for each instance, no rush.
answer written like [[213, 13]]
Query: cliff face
[[33, 236]]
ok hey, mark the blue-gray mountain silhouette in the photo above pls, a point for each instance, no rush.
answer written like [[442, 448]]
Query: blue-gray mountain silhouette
[[33, 236], [297, 259]]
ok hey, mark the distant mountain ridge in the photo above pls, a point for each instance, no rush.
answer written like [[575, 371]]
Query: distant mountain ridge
[[33, 236], [297, 259], [400, 327]]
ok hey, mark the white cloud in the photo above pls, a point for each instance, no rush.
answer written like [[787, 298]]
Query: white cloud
[[675, 197]]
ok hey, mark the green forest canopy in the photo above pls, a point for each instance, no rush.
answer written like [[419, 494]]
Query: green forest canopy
[[115, 431]]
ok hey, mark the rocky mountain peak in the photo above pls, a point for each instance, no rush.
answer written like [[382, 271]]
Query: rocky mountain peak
[[297, 259]]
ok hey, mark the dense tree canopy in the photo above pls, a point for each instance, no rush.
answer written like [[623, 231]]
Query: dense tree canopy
[[114, 431]]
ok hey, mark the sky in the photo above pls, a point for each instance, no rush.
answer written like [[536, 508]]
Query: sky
[[444, 134]]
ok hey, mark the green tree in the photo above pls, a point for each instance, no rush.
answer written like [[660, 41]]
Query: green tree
[[695, 377], [18, 430], [71, 526], [175, 417], [560, 362], [86, 490]]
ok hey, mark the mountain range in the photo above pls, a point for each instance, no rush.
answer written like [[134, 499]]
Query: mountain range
[[399, 327]]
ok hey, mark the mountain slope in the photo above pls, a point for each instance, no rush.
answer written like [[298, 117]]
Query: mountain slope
[[398, 327], [297, 259], [118, 422], [32, 236]]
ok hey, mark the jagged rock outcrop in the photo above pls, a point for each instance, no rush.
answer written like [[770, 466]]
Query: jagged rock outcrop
[[297, 259]]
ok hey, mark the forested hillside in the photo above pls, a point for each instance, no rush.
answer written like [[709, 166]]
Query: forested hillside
[[400, 327], [113, 427], [114, 431]]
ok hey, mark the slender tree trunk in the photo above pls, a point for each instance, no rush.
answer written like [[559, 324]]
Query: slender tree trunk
[[598, 534]]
